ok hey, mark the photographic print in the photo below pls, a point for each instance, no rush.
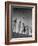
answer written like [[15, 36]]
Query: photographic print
[[20, 22]]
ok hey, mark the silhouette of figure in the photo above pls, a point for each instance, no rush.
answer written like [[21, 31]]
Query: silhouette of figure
[[15, 21], [24, 28]]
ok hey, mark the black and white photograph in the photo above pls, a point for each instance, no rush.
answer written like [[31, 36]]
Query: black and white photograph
[[21, 22]]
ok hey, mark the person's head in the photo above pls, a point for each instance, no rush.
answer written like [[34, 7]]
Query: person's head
[[15, 20], [23, 17]]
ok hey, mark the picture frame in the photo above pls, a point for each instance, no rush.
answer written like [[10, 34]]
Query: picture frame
[[22, 11]]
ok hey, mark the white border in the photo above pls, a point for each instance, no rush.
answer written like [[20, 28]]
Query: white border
[[33, 25]]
